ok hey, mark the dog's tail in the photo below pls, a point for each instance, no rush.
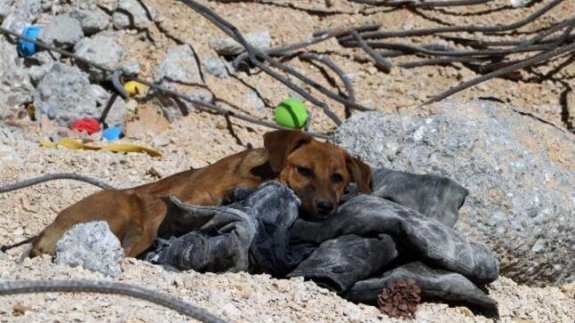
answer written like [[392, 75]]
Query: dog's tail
[[51, 177], [17, 244]]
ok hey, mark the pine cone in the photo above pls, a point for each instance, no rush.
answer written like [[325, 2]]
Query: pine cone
[[400, 299]]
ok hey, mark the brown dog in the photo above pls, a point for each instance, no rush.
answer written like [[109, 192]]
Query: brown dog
[[317, 172]]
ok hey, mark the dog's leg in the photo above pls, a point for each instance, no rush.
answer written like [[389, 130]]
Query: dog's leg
[[111, 206], [143, 227]]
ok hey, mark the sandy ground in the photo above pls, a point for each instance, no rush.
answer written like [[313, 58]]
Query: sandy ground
[[202, 138]]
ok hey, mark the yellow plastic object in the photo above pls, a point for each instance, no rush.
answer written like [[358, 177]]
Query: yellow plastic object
[[135, 88], [116, 147], [131, 148]]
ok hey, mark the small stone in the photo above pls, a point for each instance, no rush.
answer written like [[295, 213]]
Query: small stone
[[253, 101], [180, 65], [62, 31], [519, 3], [91, 245], [131, 67], [282, 286], [18, 232], [92, 19], [216, 67], [133, 15], [160, 140], [229, 47]]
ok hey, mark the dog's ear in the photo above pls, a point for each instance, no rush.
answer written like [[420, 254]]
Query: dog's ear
[[360, 174], [281, 143]]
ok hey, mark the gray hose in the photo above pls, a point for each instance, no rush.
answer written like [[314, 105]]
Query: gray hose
[[108, 287], [50, 177]]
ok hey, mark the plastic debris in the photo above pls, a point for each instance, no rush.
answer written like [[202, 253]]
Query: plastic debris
[[112, 133], [89, 125], [135, 88], [26, 48], [117, 147]]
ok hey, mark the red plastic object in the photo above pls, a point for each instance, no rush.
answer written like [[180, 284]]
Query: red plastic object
[[90, 125]]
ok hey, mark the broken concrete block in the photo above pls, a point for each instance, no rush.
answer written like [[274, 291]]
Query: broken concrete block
[[62, 31], [91, 245], [102, 49], [91, 17], [64, 95]]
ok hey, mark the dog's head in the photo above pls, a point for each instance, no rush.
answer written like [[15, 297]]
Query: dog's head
[[317, 172]]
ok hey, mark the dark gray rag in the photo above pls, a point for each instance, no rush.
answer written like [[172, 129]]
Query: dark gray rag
[[435, 284], [364, 247]]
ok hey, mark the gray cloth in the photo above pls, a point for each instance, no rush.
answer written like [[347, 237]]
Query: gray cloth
[[436, 284], [219, 238], [369, 243], [436, 243]]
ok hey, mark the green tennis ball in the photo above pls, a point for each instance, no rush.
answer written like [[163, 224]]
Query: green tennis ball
[[291, 113]]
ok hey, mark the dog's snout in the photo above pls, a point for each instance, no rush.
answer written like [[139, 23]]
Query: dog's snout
[[324, 207]]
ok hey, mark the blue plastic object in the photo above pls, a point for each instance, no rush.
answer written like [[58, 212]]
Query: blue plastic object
[[26, 48], [112, 133]]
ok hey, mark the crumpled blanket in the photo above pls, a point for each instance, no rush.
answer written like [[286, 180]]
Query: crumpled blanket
[[403, 230]]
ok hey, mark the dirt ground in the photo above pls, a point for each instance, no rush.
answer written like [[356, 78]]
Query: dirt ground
[[202, 138]]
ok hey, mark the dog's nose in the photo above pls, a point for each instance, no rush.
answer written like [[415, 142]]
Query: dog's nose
[[324, 207]]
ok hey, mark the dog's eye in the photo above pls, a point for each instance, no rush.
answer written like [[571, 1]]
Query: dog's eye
[[336, 178], [304, 171]]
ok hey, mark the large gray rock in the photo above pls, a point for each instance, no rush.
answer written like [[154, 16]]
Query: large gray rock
[[520, 173], [91, 245], [15, 86], [102, 49], [64, 94], [91, 17], [230, 47], [62, 31]]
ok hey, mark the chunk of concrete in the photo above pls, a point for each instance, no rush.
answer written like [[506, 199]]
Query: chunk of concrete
[[62, 31], [64, 95], [91, 245]]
